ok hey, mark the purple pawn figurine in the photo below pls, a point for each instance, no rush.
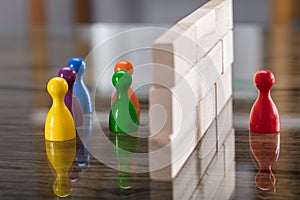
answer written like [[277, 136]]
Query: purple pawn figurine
[[71, 101]]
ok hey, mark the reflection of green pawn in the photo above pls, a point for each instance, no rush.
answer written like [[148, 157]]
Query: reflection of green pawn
[[126, 147], [123, 117], [125, 182]]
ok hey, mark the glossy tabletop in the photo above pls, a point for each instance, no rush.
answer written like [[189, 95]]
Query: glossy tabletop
[[30, 58]]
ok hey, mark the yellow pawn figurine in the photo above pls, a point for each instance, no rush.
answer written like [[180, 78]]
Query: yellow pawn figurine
[[61, 156], [59, 124]]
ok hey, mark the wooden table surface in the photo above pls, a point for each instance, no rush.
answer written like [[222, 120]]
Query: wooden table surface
[[30, 59]]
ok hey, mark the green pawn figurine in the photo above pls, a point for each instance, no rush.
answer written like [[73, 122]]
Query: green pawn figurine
[[123, 117]]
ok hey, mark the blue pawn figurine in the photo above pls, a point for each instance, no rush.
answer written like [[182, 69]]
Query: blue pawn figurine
[[80, 89], [81, 92]]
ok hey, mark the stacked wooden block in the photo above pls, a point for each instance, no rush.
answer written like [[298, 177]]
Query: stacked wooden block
[[208, 173], [192, 83]]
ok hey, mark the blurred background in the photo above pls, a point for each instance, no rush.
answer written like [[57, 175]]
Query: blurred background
[[45, 34], [22, 13]]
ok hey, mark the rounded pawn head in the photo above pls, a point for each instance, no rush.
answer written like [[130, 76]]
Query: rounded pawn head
[[264, 80], [68, 74], [57, 87], [122, 80], [77, 64], [124, 65]]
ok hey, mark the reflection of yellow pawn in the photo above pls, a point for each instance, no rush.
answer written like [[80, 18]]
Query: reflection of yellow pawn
[[59, 124], [61, 156]]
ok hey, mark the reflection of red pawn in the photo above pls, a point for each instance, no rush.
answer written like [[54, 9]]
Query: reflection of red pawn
[[265, 149], [264, 117]]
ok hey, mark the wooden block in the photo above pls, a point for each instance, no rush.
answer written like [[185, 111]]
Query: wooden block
[[187, 179], [201, 22], [229, 151], [224, 14], [160, 111], [173, 55], [186, 136], [163, 64], [214, 16], [227, 43], [224, 89], [207, 148], [189, 41], [224, 23], [180, 101], [184, 102], [204, 74], [183, 145], [172, 145], [216, 58], [172, 60], [201, 77], [183, 142], [196, 84], [178, 139], [184, 97], [224, 123], [207, 111]]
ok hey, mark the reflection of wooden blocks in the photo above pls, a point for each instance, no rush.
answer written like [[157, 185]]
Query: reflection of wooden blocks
[[187, 180], [224, 123], [192, 83], [205, 169], [227, 185], [211, 180], [218, 182]]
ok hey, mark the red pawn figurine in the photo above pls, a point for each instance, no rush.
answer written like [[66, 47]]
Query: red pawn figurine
[[264, 117]]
